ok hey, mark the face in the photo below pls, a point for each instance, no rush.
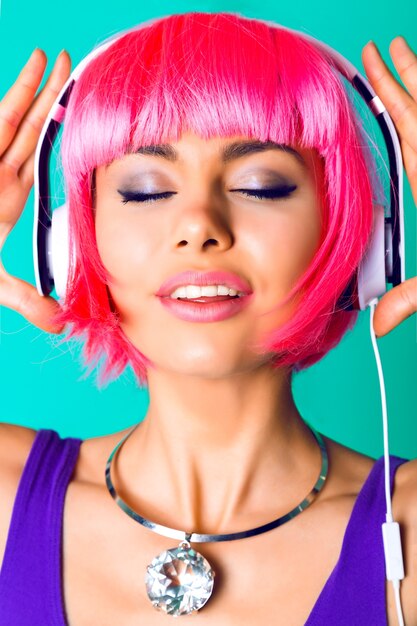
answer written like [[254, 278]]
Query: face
[[253, 211]]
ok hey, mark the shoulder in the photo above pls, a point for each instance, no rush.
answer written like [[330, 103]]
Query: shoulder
[[404, 505], [405, 490], [15, 444], [350, 470]]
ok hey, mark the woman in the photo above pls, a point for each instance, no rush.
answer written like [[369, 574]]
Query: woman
[[168, 170]]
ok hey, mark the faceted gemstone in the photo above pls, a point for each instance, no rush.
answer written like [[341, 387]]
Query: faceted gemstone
[[179, 580]]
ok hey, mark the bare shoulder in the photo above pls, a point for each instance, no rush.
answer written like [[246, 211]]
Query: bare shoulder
[[404, 505], [15, 444]]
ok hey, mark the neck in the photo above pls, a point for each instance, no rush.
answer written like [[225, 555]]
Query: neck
[[218, 455]]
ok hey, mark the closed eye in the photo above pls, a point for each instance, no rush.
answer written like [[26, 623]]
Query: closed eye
[[135, 196], [269, 194]]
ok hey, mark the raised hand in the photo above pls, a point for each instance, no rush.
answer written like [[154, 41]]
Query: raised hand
[[401, 301], [22, 115]]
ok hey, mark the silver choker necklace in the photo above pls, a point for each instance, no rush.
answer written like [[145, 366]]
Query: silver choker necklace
[[180, 580]]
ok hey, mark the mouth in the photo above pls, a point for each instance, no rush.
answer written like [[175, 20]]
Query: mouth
[[192, 284], [207, 299], [205, 309]]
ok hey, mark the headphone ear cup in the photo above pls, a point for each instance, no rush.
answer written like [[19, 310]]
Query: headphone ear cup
[[372, 272], [369, 281], [58, 249]]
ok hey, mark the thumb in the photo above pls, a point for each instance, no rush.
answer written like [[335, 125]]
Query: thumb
[[24, 298], [395, 306]]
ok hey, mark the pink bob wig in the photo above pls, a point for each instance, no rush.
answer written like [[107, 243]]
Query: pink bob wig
[[216, 74]]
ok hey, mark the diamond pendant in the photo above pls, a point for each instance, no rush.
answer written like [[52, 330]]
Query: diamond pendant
[[179, 581]]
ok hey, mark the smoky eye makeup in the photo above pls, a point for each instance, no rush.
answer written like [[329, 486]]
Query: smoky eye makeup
[[263, 178], [143, 180], [140, 187], [153, 184], [256, 182]]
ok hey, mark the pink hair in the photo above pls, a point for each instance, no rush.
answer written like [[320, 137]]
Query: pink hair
[[216, 74]]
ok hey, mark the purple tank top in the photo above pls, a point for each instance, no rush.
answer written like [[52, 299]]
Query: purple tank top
[[31, 575]]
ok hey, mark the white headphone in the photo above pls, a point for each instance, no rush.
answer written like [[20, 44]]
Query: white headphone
[[384, 261]]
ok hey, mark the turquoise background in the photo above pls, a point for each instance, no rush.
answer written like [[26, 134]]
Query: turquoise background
[[340, 396]]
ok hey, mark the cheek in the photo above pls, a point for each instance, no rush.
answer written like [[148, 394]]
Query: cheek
[[305, 241], [285, 246], [125, 249]]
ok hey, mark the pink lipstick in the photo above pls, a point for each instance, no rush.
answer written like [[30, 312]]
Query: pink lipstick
[[192, 311], [205, 308]]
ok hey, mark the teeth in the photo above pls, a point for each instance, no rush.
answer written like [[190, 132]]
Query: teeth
[[195, 291]]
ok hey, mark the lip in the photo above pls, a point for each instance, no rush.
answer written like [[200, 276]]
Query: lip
[[192, 277], [205, 312]]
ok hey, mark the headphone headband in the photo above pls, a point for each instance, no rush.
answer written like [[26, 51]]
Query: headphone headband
[[385, 264]]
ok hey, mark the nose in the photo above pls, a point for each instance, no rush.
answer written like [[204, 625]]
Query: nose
[[202, 226]]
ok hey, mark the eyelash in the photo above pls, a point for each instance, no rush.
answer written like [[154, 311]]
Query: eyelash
[[268, 194]]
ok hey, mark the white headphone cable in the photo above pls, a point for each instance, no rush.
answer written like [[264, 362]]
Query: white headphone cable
[[390, 529]]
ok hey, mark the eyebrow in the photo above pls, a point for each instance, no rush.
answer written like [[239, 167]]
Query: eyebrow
[[232, 151]]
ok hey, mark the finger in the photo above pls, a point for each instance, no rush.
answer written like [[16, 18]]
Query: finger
[[405, 62], [23, 297], [395, 306], [20, 96], [410, 165], [30, 128], [27, 171], [398, 102]]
